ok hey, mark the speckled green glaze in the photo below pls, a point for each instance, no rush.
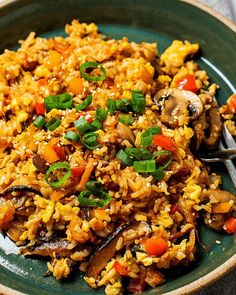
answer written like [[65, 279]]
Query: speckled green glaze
[[158, 21]]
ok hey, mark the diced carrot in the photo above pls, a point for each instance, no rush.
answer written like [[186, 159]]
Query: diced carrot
[[230, 225], [122, 270], [7, 212], [164, 142], [223, 207], [40, 108], [57, 195], [77, 171], [42, 82], [49, 154], [231, 103], [156, 246], [54, 59], [145, 75], [76, 85], [86, 174], [60, 151]]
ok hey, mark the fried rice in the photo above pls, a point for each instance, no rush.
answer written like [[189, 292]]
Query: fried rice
[[109, 182]]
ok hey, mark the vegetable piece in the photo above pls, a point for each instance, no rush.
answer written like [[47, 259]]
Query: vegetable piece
[[161, 153], [61, 102], [87, 172], [174, 208], [54, 59], [49, 154], [85, 103], [40, 164], [124, 158], [77, 171], [87, 116], [230, 225], [231, 103], [154, 277], [89, 140], [82, 125], [111, 105], [20, 188], [156, 246], [63, 179], [53, 124], [123, 104], [39, 122], [7, 211], [125, 133], [40, 108], [87, 198], [137, 285], [96, 125], [101, 114], [145, 166], [107, 249], [60, 151], [122, 270], [76, 85], [126, 119], [188, 83], [147, 135], [138, 153], [90, 65], [138, 101], [93, 186], [164, 142], [221, 207], [72, 136], [158, 174]]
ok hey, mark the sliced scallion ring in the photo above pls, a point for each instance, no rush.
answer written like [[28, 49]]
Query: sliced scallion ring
[[158, 174], [146, 136], [89, 140], [145, 166], [87, 198], [126, 119], [138, 153], [93, 185], [124, 158], [72, 136], [85, 103], [138, 101], [163, 152], [62, 102], [82, 125], [53, 124], [90, 65], [63, 179], [39, 122]]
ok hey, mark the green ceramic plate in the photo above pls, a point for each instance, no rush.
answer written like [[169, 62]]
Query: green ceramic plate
[[154, 21]]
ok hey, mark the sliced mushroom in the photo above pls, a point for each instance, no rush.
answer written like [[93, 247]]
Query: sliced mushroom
[[19, 188], [178, 106], [40, 164], [107, 249], [125, 133]]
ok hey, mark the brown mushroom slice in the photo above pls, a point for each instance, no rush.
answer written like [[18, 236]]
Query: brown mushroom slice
[[107, 249], [178, 106], [215, 221], [125, 133]]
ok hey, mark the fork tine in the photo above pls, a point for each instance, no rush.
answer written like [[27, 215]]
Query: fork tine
[[229, 140]]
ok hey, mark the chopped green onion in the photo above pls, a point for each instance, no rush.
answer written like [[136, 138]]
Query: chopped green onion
[[62, 102], [123, 104], [89, 140], [90, 65], [86, 198], [158, 174], [126, 119], [72, 136], [146, 136], [93, 185], [85, 103], [145, 166], [53, 124], [111, 105], [124, 158], [82, 125], [138, 153], [101, 114], [163, 152], [138, 101], [96, 125], [63, 179], [39, 122]]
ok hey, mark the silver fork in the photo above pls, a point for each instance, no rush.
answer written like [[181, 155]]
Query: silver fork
[[225, 155]]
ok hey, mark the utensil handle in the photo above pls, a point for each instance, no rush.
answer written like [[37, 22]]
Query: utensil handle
[[231, 168]]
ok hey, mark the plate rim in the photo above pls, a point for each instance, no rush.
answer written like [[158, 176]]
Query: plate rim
[[228, 265]]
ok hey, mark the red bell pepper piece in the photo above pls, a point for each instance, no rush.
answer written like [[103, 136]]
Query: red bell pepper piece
[[187, 83]]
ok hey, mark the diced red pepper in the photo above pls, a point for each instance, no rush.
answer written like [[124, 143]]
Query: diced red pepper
[[174, 208], [137, 286], [87, 116], [188, 83], [60, 151], [230, 225], [40, 108], [122, 270], [77, 171], [231, 103], [164, 142]]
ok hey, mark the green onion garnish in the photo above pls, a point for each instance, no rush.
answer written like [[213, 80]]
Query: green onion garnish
[[126, 119], [85, 103], [93, 185], [53, 124], [101, 114], [62, 102], [82, 125], [87, 198], [63, 179], [158, 174], [138, 153], [111, 105], [72, 136], [145, 166], [163, 152], [123, 104], [124, 158], [39, 122], [146, 136], [138, 101], [89, 140], [96, 125], [90, 65]]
